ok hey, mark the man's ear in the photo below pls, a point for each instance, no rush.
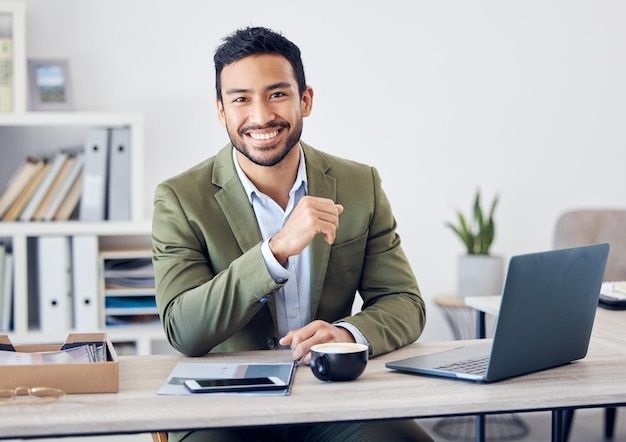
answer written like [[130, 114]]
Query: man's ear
[[306, 103], [220, 111]]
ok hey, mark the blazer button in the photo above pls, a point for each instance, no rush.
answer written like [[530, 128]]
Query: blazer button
[[271, 342]]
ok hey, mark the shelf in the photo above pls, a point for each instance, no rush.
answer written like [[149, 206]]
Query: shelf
[[116, 333], [70, 118], [129, 292], [101, 228], [130, 311], [42, 134]]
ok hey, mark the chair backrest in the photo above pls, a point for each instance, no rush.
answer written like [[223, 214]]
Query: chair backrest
[[587, 226]]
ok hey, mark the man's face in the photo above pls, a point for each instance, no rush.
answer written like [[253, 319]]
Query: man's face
[[261, 107]]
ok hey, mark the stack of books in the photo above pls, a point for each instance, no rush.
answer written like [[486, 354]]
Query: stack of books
[[44, 189]]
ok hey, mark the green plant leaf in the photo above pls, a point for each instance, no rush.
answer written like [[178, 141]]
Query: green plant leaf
[[477, 236], [478, 219]]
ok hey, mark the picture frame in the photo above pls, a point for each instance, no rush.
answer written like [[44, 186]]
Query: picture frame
[[49, 85]]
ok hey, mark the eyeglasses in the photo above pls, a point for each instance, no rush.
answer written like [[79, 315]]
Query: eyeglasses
[[38, 394]]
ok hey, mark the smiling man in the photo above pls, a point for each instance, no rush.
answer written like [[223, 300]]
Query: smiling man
[[266, 244]]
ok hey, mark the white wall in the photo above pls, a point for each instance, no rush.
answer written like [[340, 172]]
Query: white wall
[[526, 99]]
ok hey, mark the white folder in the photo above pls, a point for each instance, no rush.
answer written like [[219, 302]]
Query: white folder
[[93, 200], [119, 175], [7, 290], [3, 254], [53, 262], [85, 282]]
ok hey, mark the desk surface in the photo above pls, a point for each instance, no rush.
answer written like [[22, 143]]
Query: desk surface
[[379, 393], [609, 325]]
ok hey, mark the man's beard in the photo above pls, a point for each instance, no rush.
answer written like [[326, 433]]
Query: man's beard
[[292, 140]]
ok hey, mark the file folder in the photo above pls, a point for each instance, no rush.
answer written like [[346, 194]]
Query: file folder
[[64, 187], [22, 200], [53, 262], [69, 206], [18, 183], [54, 188], [85, 282], [3, 255], [7, 289], [119, 176], [93, 201], [44, 187]]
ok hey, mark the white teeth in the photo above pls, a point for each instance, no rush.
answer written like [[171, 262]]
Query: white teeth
[[266, 136]]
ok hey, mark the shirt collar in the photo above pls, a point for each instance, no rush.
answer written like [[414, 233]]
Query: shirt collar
[[251, 189]]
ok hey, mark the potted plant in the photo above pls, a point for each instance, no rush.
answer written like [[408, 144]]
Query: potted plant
[[478, 272]]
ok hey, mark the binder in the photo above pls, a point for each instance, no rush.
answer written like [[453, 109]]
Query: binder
[[53, 261], [7, 294], [3, 254], [119, 175], [93, 201], [42, 190], [86, 282], [64, 187]]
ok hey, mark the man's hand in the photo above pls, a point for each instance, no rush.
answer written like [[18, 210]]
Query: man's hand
[[311, 216], [315, 332]]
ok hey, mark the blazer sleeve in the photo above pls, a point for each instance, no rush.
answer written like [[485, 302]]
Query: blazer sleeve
[[393, 313], [200, 308]]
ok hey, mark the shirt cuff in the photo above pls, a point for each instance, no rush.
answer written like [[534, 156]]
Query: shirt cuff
[[356, 333], [275, 269]]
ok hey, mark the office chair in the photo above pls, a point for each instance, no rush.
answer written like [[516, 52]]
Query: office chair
[[586, 226]]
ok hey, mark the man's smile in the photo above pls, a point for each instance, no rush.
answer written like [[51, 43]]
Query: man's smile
[[263, 134]]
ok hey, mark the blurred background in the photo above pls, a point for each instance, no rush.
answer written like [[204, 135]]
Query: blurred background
[[526, 100]]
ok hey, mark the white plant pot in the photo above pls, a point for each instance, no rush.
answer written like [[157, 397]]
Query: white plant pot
[[479, 275]]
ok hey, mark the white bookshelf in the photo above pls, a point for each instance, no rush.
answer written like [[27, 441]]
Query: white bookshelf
[[16, 10], [41, 133]]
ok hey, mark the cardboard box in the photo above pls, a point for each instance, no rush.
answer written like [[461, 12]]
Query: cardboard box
[[95, 377]]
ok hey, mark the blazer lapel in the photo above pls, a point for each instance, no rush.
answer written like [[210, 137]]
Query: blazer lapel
[[234, 202], [322, 185], [237, 209]]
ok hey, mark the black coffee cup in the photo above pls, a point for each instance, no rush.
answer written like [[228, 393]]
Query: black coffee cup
[[338, 361]]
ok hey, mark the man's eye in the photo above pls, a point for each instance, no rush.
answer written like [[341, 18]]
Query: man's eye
[[239, 100], [278, 95]]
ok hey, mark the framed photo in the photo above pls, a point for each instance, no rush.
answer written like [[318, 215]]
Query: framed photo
[[49, 85]]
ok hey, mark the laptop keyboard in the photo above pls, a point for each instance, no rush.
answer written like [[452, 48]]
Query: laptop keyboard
[[472, 366]]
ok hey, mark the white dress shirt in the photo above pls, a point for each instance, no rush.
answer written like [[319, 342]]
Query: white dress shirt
[[293, 300]]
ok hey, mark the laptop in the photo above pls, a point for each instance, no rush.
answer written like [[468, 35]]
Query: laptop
[[546, 314]]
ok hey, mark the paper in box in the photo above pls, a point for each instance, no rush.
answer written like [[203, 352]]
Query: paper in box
[[94, 377]]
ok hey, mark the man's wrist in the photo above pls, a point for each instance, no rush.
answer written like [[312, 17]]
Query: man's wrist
[[355, 332], [274, 246], [277, 271]]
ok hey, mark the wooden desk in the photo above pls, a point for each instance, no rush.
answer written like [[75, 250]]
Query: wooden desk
[[609, 325], [609, 330], [596, 381]]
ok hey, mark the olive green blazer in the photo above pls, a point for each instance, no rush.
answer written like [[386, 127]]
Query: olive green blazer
[[214, 292]]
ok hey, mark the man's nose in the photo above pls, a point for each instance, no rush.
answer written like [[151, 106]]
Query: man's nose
[[261, 113]]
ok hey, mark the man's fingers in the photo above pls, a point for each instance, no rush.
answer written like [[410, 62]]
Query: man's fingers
[[285, 340]]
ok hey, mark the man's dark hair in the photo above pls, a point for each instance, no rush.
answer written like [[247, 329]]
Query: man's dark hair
[[251, 41]]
